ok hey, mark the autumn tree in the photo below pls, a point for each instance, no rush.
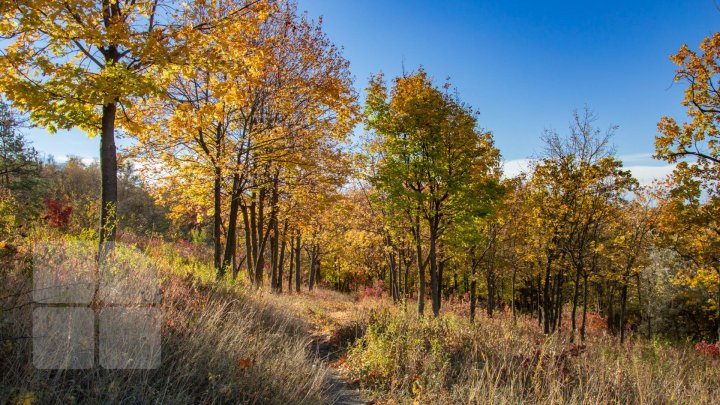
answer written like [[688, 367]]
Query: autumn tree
[[429, 149], [572, 186], [19, 161], [694, 199], [632, 231], [260, 116], [70, 64]]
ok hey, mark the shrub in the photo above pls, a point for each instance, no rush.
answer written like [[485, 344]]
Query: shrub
[[709, 349]]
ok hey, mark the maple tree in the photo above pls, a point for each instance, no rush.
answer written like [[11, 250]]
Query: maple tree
[[693, 200], [429, 151], [75, 64], [265, 106]]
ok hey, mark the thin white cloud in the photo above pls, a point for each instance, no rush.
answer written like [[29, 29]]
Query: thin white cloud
[[643, 168], [642, 158], [515, 167], [64, 158], [645, 175]]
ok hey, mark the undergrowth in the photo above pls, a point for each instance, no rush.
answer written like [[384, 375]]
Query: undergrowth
[[404, 359], [219, 345]]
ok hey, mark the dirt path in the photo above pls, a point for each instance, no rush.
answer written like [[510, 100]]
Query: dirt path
[[335, 330], [343, 392], [332, 320]]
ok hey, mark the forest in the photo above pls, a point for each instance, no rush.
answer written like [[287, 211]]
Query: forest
[[320, 244]]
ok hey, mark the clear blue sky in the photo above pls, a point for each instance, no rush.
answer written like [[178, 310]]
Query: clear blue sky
[[523, 64]]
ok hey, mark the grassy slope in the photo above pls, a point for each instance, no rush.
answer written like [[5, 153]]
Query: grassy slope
[[219, 345], [449, 360], [229, 344]]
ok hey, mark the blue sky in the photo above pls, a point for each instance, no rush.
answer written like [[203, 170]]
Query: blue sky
[[523, 64]]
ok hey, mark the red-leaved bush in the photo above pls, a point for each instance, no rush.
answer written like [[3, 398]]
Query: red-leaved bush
[[376, 291], [712, 350], [57, 214]]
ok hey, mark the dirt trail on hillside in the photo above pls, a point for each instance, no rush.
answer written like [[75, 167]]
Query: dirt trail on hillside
[[342, 391], [335, 329], [332, 322]]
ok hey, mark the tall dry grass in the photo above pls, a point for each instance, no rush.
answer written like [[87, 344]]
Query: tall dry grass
[[218, 346], [449, 360]]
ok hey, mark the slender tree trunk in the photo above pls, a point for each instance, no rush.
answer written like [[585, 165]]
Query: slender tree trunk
[[108, 177], [311, 270], [231, 239], [512, 299], [611, 311], [297, 262], [421, 267], [643, 313], [539, 299], [574, 304], [250, 252], [546, 297], [291, 260], [392, 264], [585, 299], [262, 239], [557, 322], [434, 282], [254, 238], [274, 227], [441, 271], [473, 293], [490, 279], [717, 306], [407, 273], [623, 301], [217, 221], [281, 264]]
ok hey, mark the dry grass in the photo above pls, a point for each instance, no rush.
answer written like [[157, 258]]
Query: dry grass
[[218, 346], [224, 343], [449, 360]]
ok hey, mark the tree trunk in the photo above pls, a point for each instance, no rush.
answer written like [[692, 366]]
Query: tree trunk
[[546, 297], [421, 267], [434, 282], [512, 302], [108, 176], [574, 304], [297, 262], [623, 301], [249, 250], [291, 260], [281, 264], [611, 311], [261, 238], [584, 315], [717, 305], [311, 270], [231, 239], [473, 294], [441, 292], [557, 321], [406, 286], [490, 279], [217, 221], [274, 227], [539, 299]]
